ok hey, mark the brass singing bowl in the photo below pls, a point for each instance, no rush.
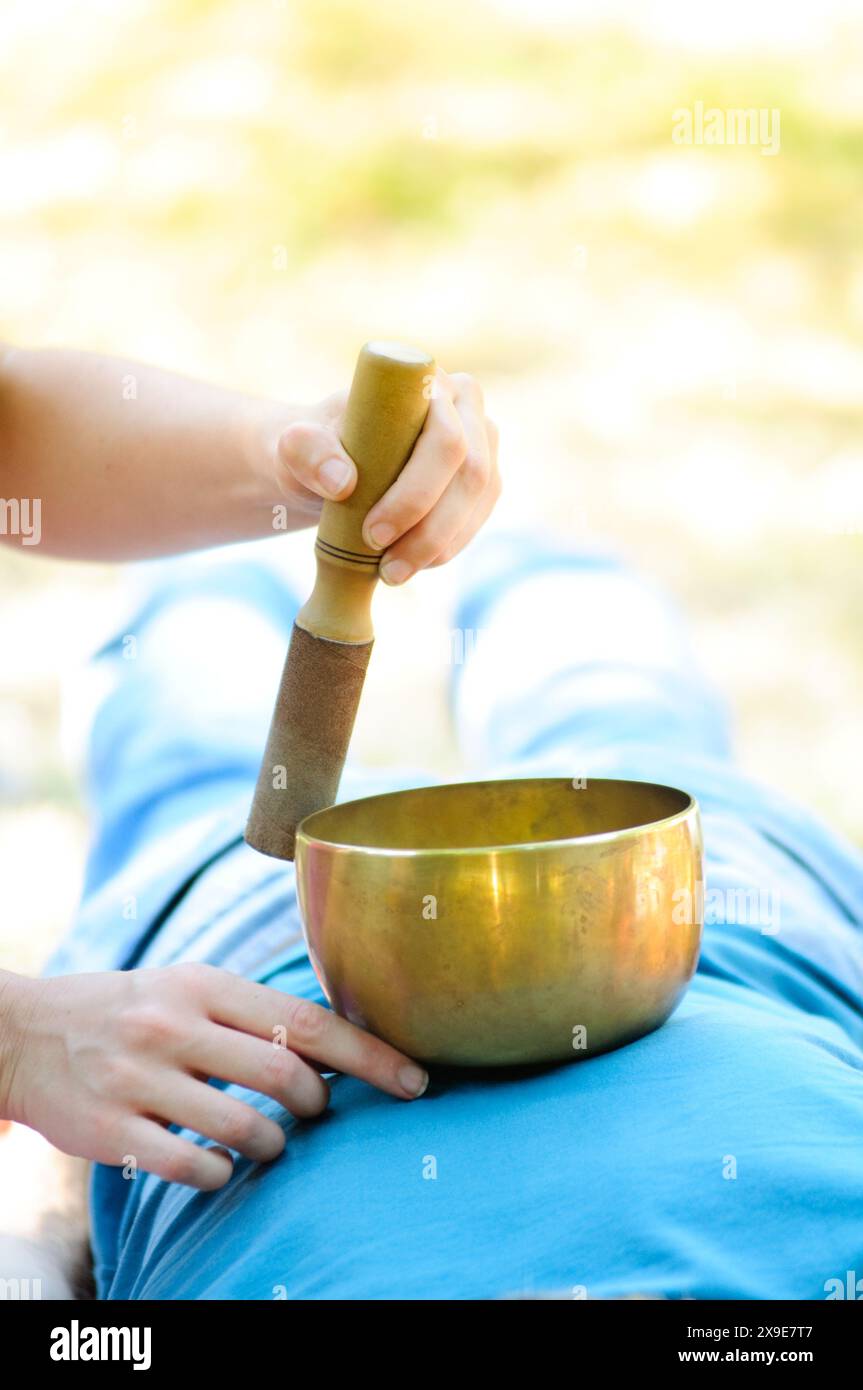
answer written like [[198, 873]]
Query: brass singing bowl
[[505, 922]]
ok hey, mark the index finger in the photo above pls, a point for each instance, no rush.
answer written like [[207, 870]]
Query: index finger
[[315, 1033], [437, 456]]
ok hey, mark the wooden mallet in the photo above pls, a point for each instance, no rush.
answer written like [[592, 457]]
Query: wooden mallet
[[332, 637]]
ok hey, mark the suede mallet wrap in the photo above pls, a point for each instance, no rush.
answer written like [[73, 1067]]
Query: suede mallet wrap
[[309, 736], [332, 637]]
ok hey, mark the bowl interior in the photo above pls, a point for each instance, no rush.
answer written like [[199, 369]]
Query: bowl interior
[[493, 814]]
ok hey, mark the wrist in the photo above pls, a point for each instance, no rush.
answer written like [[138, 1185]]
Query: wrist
[[18, 998]]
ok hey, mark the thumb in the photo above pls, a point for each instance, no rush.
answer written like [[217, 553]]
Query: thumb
[[311, 455]]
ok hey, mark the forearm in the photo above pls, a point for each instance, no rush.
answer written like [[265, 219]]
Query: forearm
[[16, 1003], [128, 460]]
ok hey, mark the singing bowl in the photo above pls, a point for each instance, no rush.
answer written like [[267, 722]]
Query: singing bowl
[[505, 922]]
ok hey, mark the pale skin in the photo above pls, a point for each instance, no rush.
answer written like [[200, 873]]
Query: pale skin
[[129, 461]]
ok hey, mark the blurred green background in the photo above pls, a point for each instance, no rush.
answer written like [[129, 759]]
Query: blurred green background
[[670, 336]]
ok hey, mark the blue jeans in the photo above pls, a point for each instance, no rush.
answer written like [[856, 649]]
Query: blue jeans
[[719, 1157]]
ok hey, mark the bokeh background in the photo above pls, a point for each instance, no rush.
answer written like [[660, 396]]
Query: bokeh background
[[670, 336]]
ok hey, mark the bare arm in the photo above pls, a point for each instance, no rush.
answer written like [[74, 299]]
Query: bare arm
[[128, 460]]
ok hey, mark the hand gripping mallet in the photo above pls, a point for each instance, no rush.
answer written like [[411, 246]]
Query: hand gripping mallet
[[332, 637]]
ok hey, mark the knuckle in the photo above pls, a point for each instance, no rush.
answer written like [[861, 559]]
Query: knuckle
[[101, 1127], [453, 443], [467, 385], [298, 441], [238, 1127], [493, 432], [107, 1137], [192, 977], [475, 471], [117, 1077], [412, 509], [280, 1071], [145, 1027], [306, 1021]]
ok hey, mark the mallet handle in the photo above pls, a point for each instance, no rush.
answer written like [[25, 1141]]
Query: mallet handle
[[387, 407]]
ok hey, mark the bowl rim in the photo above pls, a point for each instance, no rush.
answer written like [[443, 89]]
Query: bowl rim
[[305, 839]]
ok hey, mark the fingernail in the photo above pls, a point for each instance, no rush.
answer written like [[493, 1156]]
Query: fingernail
[[335, 475], [395, 571], [380, 536], [413, 1080]]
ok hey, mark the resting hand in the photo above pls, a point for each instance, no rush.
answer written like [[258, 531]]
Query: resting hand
[[101, 1064]]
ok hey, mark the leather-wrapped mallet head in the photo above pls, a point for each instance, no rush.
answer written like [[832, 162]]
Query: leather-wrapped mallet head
[[332, 638]]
